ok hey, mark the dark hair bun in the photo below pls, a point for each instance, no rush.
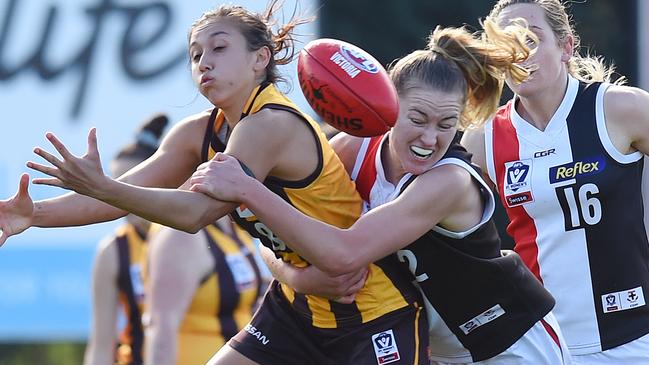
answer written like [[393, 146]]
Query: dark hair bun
[[147, 139], [151, 131]]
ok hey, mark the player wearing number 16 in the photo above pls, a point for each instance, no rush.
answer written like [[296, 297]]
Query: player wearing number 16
[[566, 155]]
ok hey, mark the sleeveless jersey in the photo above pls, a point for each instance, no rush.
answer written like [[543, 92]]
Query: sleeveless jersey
[[225, 300], [329, 196], [131, 251], [479, 301], [576, 212]]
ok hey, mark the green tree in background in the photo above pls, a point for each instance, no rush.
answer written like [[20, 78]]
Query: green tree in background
[[42, 354]]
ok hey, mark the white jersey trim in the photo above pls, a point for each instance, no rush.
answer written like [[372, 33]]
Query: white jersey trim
[[489, 149], [360, 157], [603, 131], [490, 204]]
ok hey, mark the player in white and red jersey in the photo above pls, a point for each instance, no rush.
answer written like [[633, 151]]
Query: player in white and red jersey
[[429, 207], [566, 156]]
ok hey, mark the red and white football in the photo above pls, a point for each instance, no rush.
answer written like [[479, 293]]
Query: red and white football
[[347, 87]]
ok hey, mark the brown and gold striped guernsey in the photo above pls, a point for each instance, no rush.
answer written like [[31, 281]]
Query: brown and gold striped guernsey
[[329, 196], [131, 250]]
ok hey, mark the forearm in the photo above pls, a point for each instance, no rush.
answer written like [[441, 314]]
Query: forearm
[[73, 210], [184, 210], [319, 243], [161, 344]]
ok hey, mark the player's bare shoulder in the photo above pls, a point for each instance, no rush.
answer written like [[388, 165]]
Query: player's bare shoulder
[[627, 119], [347, 148]]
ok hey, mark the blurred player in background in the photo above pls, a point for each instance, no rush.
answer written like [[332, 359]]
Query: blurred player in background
[[429, 205], [566, 155], [202, 289], [117, 273]]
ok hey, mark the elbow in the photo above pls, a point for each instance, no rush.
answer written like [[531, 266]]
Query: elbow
[[338, 262], [193, 223]]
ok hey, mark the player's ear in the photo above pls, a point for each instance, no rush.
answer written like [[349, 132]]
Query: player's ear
[[262, 58]]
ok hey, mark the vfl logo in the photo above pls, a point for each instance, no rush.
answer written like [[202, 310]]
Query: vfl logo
[[359, 58], [385, 347], [516, 175], [623, 300], [518, 189], [588, 166]]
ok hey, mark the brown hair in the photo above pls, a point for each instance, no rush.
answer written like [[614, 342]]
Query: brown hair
[[257, 30], [586, 68], [456, 60]]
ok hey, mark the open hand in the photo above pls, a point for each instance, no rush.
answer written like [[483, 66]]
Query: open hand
[[82, 174], [17, 212]]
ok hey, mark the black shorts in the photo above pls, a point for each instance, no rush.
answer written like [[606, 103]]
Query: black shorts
[[278, 335]]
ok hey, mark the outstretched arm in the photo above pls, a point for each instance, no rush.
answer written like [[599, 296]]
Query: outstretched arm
[[279, 140], [178, 149], [335, 250]]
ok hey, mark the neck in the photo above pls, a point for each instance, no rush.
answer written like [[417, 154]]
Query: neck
[[391, 165], [234, 109], [539, 108]]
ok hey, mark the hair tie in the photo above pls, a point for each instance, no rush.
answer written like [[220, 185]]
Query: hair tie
[[147, 138]]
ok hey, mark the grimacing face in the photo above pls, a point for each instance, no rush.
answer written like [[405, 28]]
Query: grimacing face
[[548, 58], [427, 123]]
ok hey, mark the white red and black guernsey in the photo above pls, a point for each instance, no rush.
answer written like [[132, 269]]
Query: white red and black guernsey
[[576, 212], [479, 301]]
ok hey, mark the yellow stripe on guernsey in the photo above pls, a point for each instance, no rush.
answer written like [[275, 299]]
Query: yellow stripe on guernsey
[[329, 196], [201, 332], [136, 247]]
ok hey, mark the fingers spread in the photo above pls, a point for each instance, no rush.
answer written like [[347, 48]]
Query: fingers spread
[[23, 185], [47, 170], [48, 157], [63, 151], [50, 182]]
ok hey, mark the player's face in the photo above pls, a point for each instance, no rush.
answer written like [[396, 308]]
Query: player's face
[[222, 66], [549, 56], [427, 123]]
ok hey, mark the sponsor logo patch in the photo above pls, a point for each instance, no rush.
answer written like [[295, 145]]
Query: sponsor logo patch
[[256, 333], [482, 319], [589, 166], [385, 347], [242, 272], [517, 184], [623, 300], [359, 59]]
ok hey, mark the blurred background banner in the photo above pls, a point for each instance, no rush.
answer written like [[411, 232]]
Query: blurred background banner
[[67, 66]]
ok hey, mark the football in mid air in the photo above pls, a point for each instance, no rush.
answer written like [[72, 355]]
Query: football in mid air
[[347, 87]]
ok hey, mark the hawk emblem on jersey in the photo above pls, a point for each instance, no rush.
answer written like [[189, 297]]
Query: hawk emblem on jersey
[[517, 184]]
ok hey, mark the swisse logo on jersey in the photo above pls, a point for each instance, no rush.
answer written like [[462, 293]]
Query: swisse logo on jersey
[[572, 170], [385, 347], [353, 61], [517, 184], [623, 300]]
